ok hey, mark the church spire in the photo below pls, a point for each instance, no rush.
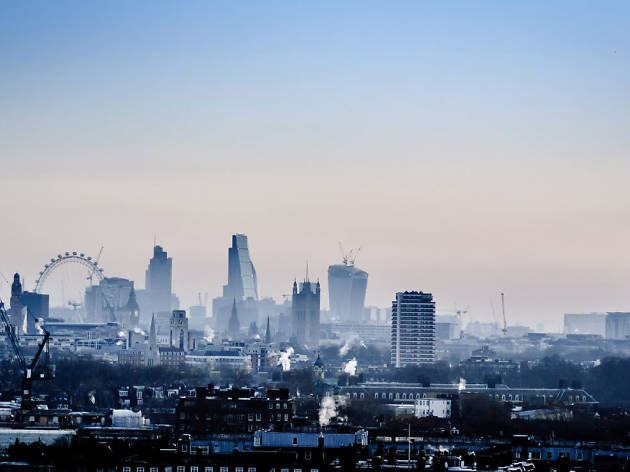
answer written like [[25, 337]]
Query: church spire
[[234, 326], [268, 333]]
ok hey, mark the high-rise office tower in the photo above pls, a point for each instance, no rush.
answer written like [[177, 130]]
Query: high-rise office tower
[[346, 291], [305, 314], [242, 283], [159, 278], [242, 286], [413, 329]]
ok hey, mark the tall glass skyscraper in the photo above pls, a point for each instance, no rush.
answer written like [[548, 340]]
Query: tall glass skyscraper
[[242, 283], [158, 281], [346, 291], [413, 329], [242, 287]]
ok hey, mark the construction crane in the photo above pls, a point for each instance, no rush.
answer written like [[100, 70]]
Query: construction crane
[[349, 257], [98, 258], [504, 330], [28, 368]]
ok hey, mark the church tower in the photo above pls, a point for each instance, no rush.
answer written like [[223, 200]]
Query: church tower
[[153, 355]]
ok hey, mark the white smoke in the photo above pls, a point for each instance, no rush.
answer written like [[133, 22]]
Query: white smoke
[[208, 334], [121, 334], [285, 359], [139, 331], [343, 351], [462, 384], [38, 325], [349, 343], [328, 408], [350, 367]]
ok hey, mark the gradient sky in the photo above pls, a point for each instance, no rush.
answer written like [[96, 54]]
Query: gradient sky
[[469, 147]]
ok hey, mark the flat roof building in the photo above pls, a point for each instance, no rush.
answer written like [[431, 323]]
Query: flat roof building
[[413, 329]]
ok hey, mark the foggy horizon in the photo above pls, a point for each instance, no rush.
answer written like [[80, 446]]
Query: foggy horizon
[[469, 149]]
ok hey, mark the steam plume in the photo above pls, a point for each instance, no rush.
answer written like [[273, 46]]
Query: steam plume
[[350, 367], [285, 359]]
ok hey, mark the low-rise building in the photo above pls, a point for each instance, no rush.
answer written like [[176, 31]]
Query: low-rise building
[[437, 407], [215, 410]]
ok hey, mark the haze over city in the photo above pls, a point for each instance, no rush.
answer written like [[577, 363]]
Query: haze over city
[[325, 236], [469, 148]]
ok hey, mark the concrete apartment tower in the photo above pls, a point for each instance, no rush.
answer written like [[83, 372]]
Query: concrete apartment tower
[[305, 314], [413, 329]]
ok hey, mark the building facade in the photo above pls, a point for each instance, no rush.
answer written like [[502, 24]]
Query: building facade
[[346, 291], [18, 314], [437, 407], [112, 300], [242, 282], [617, 325], [179, 335], [413, 329], [158, 282], [242, 287], [305, 313], [585, 323], [216, 410]]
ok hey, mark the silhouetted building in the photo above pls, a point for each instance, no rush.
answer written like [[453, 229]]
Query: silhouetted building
[[617, 325], [18, 315], [242, 286], [158, 282], [234, 326], [179, 336], [152, 355], [413, 329], [198, 316], [305, 314], [112, 300], [585, 323], [268, 333], [242, 281], [346, 291], [233, 410], [37, 304]]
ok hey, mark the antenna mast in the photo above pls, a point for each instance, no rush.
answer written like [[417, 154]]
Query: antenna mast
[[504, 330]]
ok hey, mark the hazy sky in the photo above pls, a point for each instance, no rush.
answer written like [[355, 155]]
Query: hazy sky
[[469, 147]]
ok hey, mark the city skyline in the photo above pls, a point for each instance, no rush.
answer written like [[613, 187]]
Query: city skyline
[[470, 148]]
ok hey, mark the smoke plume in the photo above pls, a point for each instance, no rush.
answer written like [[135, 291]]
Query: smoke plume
[[208, 334], [328, 408], [285, 359], [349, 343], [38, 325], [350, 367]]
